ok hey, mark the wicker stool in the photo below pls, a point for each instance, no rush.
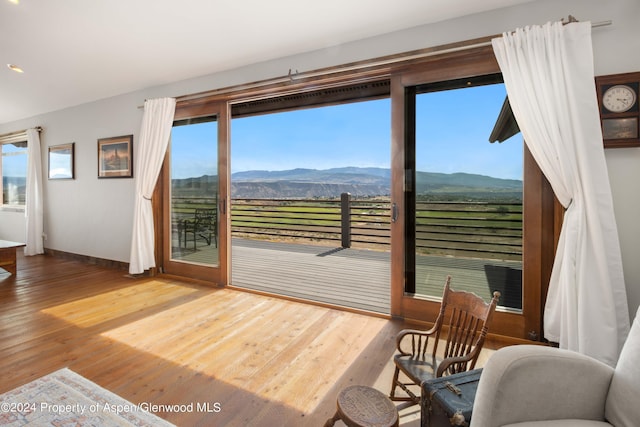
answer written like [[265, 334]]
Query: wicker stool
[[362, 406]]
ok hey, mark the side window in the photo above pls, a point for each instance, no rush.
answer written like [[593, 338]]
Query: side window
[[14, 173]]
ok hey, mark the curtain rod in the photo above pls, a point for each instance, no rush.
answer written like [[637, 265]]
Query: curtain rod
[[293, 76], [18, 132]]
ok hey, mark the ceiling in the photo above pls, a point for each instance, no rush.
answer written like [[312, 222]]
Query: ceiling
[[78, 51]]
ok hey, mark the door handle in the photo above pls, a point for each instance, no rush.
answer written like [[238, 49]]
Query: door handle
[[394, 212]]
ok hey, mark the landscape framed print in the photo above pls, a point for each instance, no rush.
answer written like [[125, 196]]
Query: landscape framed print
[[115, 157]]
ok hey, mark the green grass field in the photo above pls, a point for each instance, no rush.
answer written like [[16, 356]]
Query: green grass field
[[442, 228]]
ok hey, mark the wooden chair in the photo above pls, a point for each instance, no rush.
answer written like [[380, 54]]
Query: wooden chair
[[467, 328], [203, 225]]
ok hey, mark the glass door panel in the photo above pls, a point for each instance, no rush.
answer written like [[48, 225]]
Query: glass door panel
[[194, 191], [467, 195], [195, 194]]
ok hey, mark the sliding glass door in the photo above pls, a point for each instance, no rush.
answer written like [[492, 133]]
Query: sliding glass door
[[195, 197], [466, 201], [463, 206]]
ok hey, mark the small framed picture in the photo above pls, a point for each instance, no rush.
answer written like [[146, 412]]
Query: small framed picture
[[115, 157], [61, 161], [620, 129]]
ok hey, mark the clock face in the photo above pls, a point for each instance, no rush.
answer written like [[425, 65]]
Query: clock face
[[619, 98]]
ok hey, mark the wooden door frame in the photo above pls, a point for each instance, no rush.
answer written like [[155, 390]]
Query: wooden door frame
[[541, 221], [219, 276]]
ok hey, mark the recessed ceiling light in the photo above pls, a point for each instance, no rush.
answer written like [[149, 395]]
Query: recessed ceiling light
[[14, 1], [15, 68]]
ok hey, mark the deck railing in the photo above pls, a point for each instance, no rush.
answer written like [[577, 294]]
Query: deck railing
[[476, 229], [360, 222]]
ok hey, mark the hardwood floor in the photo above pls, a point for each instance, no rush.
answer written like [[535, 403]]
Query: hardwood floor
[[264, 360]]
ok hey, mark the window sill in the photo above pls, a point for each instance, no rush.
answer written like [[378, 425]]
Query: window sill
[[8, 208]]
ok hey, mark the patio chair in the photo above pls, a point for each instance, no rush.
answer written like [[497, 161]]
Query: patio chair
[[203, 226], [466, 330]]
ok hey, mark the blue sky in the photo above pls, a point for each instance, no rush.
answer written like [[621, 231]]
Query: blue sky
[[14, 161], [451, 136], [320, 138], [200, 156], [452, 133]]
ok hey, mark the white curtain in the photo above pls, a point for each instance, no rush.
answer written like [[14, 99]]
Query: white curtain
[[151, 148], [33, 205], [549, 77]]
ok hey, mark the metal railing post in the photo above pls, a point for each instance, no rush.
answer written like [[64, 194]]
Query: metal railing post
[[345, 210]]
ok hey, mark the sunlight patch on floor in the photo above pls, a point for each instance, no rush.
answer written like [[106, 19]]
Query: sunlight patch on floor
[[279, 350], [87, 312]]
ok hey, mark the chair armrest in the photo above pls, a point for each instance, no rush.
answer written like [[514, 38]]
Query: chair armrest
[[413, 332], [445, 363], [535, 383]]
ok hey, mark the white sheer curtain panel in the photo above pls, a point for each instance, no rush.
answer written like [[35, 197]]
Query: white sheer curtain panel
[[549, 77], [33, 205], [152, 146]]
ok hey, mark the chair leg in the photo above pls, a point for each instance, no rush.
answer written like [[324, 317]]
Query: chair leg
[[410, 400], [206, 238], [394, 384]]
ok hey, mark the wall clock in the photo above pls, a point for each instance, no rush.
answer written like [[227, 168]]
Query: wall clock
[[619, 112]]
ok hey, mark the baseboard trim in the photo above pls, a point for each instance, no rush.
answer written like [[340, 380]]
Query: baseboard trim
[[102, 262]]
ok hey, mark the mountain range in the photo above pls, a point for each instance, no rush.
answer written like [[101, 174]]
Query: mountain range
[[365, 182], [360, 182]]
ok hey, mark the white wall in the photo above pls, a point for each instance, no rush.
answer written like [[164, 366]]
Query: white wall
[[12, 223], [93, 217], [87, 215]]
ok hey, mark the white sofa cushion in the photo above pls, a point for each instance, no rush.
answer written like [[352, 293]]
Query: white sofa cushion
[[528, 382], [623, 401]]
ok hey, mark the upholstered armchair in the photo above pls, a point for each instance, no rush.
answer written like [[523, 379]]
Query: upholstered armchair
[[532, 386]]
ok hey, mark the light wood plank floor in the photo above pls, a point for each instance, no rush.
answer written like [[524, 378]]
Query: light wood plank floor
[[266, 361]]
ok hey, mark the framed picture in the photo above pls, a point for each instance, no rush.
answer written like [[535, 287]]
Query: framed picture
[[61, 161], [115, 157]]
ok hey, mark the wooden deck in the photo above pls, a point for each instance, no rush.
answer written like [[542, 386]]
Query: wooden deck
[[360, 279], [353, 278]]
